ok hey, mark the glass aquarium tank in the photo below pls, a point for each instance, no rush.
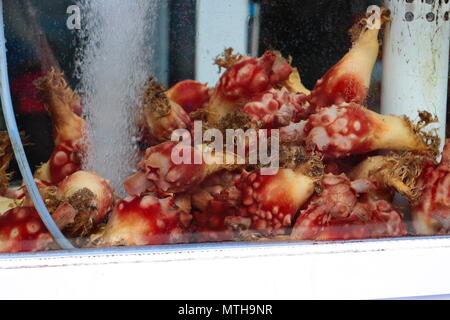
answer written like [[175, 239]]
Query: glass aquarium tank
[[191, 124]]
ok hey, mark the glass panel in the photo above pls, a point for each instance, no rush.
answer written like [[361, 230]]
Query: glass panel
[[153, 122]]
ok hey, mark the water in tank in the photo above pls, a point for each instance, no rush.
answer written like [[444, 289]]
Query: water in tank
[[165, 122]]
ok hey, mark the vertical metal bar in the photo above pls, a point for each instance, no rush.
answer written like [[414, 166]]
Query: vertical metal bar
[[8, 113]]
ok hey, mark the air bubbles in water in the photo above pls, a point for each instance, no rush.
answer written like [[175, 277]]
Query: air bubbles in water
[[113, 64]]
